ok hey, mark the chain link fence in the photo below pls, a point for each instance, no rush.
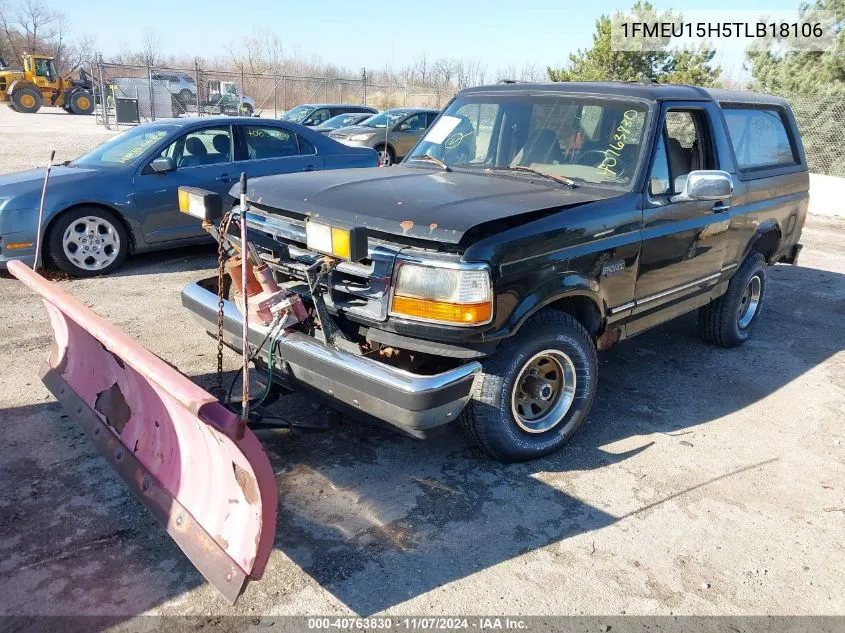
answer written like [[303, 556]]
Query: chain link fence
[[173, 92], [821, 119], [160, 92]]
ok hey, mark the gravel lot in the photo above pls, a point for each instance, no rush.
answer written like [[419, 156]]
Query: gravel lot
[[706, 481]]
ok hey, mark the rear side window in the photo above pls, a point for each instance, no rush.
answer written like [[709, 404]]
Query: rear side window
[[759, 138]]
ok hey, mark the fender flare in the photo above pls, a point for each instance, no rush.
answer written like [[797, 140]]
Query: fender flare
[[766, 227], [21, 83], [564, 286]]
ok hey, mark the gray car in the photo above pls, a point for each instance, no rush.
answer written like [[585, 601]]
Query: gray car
[[315, 114], [121, 197], [393, 133]]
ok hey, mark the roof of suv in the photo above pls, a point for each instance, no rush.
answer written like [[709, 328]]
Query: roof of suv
[[651, 92]]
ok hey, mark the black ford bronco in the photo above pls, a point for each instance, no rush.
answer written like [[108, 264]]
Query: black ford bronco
[[532, 225]]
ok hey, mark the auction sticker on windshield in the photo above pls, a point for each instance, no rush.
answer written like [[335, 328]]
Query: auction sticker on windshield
[[440, 130]]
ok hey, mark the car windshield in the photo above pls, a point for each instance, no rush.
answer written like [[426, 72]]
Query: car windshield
[[124, 148], [297, 114], [388, 117], [586, 139], [341, 120]]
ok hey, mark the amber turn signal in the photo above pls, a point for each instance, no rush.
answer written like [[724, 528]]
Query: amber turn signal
[[461, 314]]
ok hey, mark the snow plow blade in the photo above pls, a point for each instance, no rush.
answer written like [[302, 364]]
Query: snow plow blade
[[205, 477]]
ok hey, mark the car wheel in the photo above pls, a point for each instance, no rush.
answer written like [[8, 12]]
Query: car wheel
[[728, 320], [185, 96], [246, 109], [87, 242], [386, 155], [81, 102], [536, 391], [27, 100]]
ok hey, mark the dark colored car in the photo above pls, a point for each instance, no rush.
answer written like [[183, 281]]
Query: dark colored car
[[315, 114], [584, 214], [342, 120], [121, 197]]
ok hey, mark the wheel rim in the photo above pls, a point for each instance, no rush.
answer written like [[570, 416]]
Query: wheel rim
[[91, 243], [750, 302], [384, 155], [27, 101], [543, 391], [83, 103]]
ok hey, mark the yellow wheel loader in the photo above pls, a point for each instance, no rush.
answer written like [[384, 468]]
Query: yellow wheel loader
[[39, 84]]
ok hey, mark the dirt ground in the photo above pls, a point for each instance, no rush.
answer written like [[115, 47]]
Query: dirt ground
[[706, 481]]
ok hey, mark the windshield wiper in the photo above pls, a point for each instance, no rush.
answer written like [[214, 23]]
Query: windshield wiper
[[432, 159], [561, 179]]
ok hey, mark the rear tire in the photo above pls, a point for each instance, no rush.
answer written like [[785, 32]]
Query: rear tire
[[728, 321], [87, 242], [81, 102], [246, 109], [27, 100], [536, 391]]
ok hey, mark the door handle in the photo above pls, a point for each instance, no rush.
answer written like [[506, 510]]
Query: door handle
[[721, 206], [226, 178], [309, 168]]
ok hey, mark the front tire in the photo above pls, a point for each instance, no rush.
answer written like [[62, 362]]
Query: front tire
[[536, 391], [386, 155], [87, 242], [246, 109], [728, 321]]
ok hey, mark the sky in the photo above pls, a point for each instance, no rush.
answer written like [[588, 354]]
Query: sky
[[373, 35]]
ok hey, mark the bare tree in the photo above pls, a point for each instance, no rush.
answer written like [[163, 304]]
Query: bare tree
[[150, 53]]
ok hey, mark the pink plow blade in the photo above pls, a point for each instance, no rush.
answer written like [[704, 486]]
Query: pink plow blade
[[205, 478]]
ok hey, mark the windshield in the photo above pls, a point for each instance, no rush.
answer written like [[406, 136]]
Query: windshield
[[124, 148], [342, 120], [297, 114], [584, 139], [388, 117]]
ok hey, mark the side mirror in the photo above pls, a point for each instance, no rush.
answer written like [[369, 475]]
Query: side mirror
[[162, 165], [706, 184]]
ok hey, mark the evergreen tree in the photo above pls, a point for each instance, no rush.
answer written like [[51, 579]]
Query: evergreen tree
[[663, 65]]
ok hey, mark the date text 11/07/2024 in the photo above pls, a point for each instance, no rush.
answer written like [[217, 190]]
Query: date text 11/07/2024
[[418, 624]]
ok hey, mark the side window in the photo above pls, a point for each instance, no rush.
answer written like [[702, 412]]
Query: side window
[[429, 118], [305, 146], [658, 182], [687, 146], [317, 117], [269, 142], [759, 137], [208, 146], [415, 123]]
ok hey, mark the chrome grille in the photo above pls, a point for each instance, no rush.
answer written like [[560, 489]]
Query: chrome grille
[[359, 288]]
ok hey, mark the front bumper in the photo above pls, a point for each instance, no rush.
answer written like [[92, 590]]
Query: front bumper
[[358, 385]]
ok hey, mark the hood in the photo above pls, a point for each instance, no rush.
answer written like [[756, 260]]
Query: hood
[[423, 203], [346, 132], [24, 187]]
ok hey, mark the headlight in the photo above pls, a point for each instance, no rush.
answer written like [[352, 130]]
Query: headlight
[[458, 296], [366, 136]]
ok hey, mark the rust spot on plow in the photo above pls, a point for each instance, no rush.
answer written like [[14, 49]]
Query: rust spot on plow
[[406, 225], [112, 405], [247, 484]]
